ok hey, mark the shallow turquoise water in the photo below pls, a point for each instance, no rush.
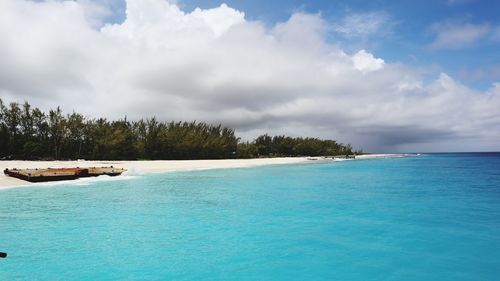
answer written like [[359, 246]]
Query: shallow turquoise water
[[432, 217]]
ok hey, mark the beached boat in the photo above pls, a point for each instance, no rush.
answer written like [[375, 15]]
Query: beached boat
[[59, 174], [107, 171]]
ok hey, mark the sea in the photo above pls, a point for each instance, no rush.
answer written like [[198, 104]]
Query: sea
[[425, 217]]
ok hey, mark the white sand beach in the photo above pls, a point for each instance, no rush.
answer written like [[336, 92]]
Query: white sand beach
[[158, 166], [140, 167]]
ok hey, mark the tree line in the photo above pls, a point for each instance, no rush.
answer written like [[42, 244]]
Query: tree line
[[26, 132]]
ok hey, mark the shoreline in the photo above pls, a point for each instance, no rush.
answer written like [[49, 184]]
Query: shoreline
[[138, 167]]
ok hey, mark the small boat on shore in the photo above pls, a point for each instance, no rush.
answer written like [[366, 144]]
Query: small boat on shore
[[60, 174]]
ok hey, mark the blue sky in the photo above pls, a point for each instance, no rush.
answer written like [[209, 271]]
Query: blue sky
[[408, 32]]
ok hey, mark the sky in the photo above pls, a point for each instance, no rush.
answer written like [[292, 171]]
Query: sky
[[385, 76]]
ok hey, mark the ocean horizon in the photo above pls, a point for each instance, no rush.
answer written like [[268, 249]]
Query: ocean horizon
[[428, 217]]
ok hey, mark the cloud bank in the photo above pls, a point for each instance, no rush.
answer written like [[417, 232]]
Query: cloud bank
[[216, 66]]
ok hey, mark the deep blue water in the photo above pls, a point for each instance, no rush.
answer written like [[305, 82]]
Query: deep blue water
[[431, 217]]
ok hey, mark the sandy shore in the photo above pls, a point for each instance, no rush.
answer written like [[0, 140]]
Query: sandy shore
[[140, 167]]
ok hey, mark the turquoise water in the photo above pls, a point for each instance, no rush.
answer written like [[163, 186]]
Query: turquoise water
[[432, 217]]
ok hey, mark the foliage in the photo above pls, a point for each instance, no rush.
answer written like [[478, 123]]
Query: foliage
[[283, 146], [29, 133]]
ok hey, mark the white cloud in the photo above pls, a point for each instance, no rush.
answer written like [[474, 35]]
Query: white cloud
[[214, 65], [95, 13], [219, 19], [366, 62], [486, 73], [363, 25], [451, 35]]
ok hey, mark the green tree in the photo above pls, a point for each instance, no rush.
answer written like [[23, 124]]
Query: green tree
[[58, 131], [28, 133]]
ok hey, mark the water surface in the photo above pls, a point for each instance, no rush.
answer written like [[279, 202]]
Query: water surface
[[432, 217]]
